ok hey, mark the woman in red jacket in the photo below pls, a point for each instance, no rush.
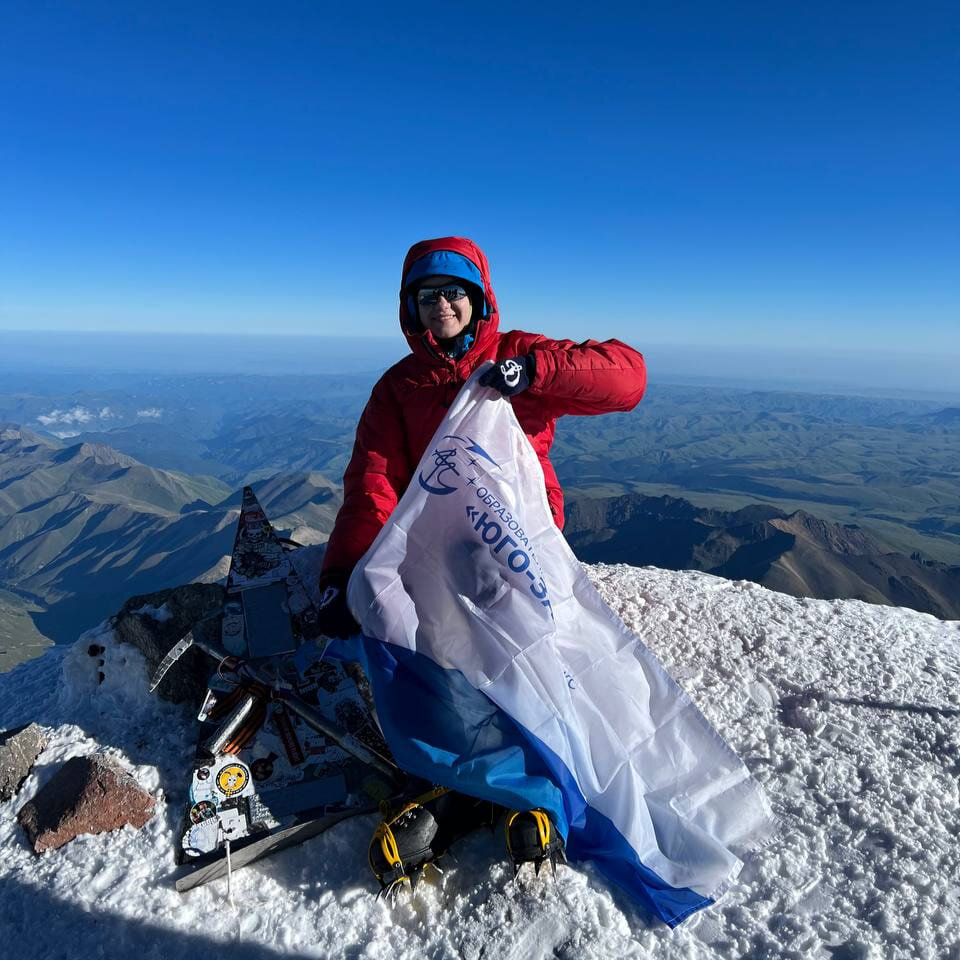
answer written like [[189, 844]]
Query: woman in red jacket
[[448, 313]]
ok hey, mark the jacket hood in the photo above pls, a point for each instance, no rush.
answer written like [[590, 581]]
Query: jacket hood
[[455, 257]]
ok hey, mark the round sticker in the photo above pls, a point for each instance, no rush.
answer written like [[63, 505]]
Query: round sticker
[[203, 810], [232, 779]]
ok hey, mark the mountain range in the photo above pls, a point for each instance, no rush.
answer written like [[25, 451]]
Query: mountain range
[[891, 466], [794, 553], [83, 526]]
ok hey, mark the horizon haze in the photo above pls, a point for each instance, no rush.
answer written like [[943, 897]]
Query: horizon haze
[[865, 372]]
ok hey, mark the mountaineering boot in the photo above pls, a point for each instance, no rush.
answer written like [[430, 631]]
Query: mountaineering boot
[[532, 838], [417, 832]]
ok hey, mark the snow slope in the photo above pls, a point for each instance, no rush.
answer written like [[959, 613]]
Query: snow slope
[[848, 713]]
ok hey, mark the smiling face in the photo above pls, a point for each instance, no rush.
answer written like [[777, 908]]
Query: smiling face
[[445, 319]]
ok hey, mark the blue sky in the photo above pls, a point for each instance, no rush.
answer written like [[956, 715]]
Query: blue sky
[[771, 175]]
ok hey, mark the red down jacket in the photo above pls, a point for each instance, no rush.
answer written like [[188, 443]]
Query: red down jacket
[[411, 398]]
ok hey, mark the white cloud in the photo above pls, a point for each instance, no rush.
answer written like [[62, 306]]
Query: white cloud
[[76, 415], [151, 413]]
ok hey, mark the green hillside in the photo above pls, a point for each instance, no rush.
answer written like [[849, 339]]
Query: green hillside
[[20, 640]]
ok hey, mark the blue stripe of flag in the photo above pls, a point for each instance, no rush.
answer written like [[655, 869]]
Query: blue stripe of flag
[[442, 729]]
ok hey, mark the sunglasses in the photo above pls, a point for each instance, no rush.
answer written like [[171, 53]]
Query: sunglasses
[[428, 296]]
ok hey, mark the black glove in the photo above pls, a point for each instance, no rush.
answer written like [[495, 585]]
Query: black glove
[[511, 376], [334, 618]]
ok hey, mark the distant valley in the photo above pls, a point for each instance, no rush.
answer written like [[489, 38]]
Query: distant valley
[[235, 428], [113, 483], [889, 466]]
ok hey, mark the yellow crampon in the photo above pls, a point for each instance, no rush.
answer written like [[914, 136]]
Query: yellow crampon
[[407, 842], [532, 838], [397, 862]]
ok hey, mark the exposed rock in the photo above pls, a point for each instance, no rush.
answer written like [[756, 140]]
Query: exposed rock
[[19, 749], [845, 538], [183, 607], [87, 795]]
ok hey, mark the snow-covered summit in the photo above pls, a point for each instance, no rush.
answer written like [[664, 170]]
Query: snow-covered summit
[[848, 713]]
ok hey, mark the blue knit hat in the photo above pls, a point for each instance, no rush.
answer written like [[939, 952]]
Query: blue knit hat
[[442, 263]]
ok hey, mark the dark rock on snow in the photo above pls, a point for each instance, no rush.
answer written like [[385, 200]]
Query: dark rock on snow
[[184, 607], [19, 749], [87, 795]]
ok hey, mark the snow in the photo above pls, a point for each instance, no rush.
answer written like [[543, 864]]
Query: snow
[[217, 573], [161, 614], [848, 713]]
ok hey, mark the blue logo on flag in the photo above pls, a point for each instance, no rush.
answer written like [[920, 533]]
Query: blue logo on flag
[[444, 476]]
